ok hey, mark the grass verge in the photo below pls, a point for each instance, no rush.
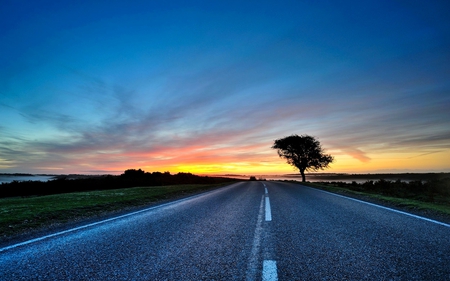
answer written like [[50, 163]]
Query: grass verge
[[24, 215], [404, 203]]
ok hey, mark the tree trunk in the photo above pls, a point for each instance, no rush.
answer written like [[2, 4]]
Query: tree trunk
[[302, 172]]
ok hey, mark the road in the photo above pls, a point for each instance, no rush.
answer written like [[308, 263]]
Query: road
[[245, 231]]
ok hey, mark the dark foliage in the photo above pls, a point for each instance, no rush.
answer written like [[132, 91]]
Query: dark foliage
[[130, 178], [303, 152], [437, 190]]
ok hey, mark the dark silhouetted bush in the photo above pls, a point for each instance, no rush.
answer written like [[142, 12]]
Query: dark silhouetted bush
[[431, 190], [130, 178]]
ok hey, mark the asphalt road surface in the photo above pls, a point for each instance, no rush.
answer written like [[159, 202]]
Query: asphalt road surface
[[245, 231]]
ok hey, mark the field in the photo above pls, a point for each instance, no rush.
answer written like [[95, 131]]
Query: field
[[22, 215], [430, 199], [28, 207]]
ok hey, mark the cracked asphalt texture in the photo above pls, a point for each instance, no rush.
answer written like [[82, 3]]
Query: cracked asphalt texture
[[313, 235]]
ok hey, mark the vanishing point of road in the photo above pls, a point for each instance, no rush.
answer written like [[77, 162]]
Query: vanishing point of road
[[244, 231]]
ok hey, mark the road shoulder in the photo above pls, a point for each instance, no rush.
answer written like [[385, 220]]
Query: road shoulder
[[426, 213]]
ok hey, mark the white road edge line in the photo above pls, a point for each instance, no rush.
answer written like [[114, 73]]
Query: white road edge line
[[99, 222], [268, 211], [269, 272], [383, 207]]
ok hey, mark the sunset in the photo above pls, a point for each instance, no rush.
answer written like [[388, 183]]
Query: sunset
[[98, 87], [224, 140]]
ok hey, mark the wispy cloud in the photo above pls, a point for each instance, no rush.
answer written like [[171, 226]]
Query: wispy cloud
[[222, 92]]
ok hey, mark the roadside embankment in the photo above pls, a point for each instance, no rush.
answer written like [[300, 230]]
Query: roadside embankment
[[21, 216], [428, 202]]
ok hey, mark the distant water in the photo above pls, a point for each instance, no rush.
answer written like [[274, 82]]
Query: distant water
[[335, 178], [311, 178], [328, 178], [347, 178], [11, 178]]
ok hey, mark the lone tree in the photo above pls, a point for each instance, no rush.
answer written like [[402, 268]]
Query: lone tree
[[303, 152]]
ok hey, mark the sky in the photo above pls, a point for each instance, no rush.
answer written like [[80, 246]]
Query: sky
[[98, 87]]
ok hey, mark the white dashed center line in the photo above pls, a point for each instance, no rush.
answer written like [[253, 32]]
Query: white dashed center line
[[269, 271], [268, 211]]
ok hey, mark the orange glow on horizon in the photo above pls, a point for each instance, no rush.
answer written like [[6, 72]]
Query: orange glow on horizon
[[272, 165], [246, 160]]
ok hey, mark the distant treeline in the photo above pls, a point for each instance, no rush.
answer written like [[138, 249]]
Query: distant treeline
[[16, 174], [390, 177], [437, 190], [130, 178]]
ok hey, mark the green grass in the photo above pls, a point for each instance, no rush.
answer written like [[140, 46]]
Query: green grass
[[400, 202], [18, 215]]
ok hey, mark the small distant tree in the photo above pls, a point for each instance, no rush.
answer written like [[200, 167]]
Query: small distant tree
[[130, 173], [303, 152]]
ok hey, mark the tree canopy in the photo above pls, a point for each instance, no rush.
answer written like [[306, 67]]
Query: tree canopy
[[303, 152]]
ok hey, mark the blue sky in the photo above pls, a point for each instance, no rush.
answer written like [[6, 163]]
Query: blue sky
[[207, 86]]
